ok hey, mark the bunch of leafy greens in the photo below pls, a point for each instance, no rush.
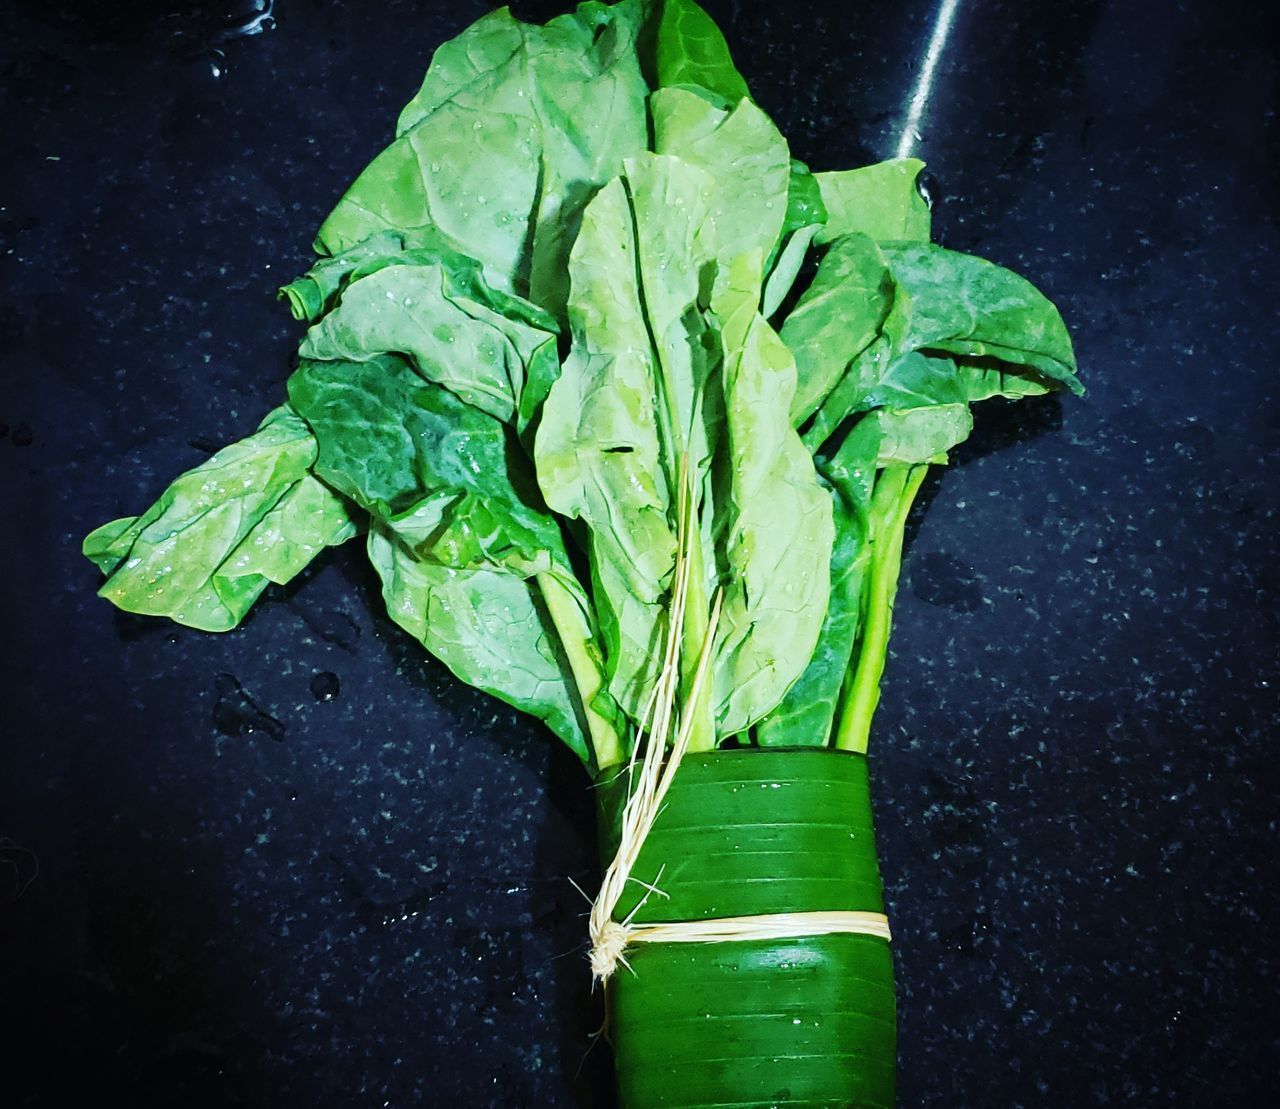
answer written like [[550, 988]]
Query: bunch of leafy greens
[[573, 273]]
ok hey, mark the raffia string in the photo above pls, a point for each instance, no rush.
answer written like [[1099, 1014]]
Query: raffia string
[[611, 938]]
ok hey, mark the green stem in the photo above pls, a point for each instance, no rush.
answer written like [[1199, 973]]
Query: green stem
[[891, 501], [696, 621], [575, 635]]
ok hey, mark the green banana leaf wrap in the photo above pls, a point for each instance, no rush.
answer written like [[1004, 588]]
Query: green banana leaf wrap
[[803, 1022]]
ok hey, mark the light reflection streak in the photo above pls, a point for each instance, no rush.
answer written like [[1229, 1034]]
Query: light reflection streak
[[924, 86]]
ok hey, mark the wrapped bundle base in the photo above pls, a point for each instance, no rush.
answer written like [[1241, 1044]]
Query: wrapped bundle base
[[806, 1021]]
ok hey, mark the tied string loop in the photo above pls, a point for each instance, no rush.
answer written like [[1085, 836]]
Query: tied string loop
[[649, 778]]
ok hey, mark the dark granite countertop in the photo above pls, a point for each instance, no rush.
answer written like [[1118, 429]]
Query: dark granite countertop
[[299, 865]]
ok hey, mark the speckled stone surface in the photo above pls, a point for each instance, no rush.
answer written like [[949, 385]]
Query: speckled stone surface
[[299, 865]]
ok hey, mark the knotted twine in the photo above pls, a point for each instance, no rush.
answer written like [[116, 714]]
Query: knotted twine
[[611, 938]]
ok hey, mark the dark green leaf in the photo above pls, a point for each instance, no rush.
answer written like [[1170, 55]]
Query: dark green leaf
[[436, 470], [690, 50], [966, 305], [488, 626]]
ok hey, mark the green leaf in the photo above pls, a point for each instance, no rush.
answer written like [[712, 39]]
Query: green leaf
[[805, 207], [314, 293], [804, 219], [441, 474], [838, 317], [747, 162], [628, 401], [917, 381], [205, 551], [500, 151], [449, 491], [804, 716], [775, 527], [916, 435], [966, 305], [881, 201], [690, 50], [492, 42], [786, 267], [942, 302], [495, 351], [489, 627]]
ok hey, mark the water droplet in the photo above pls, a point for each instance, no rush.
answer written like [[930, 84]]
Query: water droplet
[[929, 189], [235, 713], [247, 18], [325, 686], [332, 626]]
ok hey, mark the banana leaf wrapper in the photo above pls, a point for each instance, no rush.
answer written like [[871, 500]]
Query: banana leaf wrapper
[[797, 1022]]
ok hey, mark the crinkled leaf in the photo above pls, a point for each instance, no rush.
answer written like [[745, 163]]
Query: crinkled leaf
[[440, 473], [314, 293], [203, 553], [489, 627], [495, 351]]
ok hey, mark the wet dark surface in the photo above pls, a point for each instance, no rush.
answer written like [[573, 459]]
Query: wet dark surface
[[298, 865]]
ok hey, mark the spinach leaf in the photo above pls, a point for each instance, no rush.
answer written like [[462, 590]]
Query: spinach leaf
[[747, 163], [917, 381], [440, 473], [690, 50], [941, 301], [495, 351], [804, 716], [449, 490], [881, 201], [627, 401], [839, 316], [490, 628], [500, 150], [805, 217], [204, 552], [775, 528], [967, 305], [915, 435], [805, 207]]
